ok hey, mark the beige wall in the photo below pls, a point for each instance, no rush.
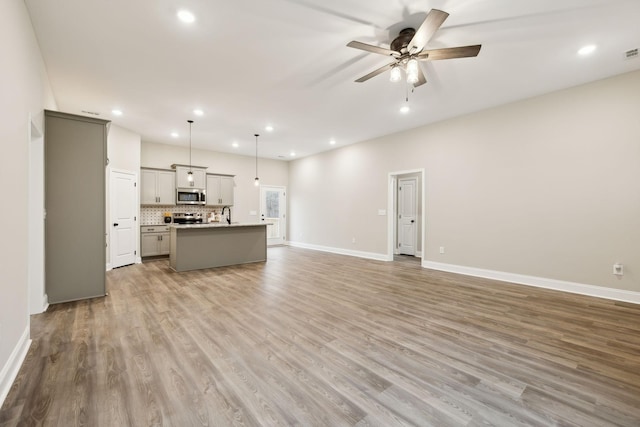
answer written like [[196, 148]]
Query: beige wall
[[247, 196], [25, 93], [548, 187], [123, 149]]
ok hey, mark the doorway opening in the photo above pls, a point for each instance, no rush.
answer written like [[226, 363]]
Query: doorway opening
[[406, 219]]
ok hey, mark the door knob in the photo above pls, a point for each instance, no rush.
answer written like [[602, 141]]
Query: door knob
[[412, 221], [115, 224]]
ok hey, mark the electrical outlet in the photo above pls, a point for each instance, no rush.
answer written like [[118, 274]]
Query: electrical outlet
[[253, 213], [441, 249], [618, 269], [353, 240]]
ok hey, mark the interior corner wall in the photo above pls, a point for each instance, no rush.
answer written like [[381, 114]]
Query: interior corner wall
[[25, 94], [547, 187]]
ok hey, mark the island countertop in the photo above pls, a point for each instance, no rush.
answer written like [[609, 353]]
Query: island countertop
[[199, 246], [218, 225]]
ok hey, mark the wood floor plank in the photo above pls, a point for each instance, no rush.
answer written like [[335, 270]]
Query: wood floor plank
[[311, 338]]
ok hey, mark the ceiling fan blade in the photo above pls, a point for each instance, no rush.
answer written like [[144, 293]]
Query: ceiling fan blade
[[432, 22], [375, 72], [371, 48], [421, 78], [449, 53]]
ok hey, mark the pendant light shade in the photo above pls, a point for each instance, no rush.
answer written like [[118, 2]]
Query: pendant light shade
[[190, 173], [396, 74], [256, 182], [412, 71]]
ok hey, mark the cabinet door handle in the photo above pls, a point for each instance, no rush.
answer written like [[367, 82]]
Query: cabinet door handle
[[115, 224]]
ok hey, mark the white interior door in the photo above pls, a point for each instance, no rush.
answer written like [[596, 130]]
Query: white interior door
[[407, 214], [123, 202], [273, 208]]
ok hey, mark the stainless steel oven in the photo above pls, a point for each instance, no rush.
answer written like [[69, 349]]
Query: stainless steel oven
[[190, 196]]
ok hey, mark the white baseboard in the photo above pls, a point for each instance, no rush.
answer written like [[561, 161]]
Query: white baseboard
[[540, 282], [11, 368], [340, 251], [109, 266]]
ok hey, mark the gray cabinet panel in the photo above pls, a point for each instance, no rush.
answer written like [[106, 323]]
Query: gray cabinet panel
[[75, 161]]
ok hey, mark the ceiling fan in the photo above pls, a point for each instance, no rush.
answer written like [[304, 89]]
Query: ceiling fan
[[408, 48]]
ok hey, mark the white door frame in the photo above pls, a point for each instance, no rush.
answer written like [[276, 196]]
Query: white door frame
[[35, 272], [284, 213], [392, 210], [136, 226], [401, 221]]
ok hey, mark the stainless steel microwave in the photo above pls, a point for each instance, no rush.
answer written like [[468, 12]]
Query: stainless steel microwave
[[190, 196]]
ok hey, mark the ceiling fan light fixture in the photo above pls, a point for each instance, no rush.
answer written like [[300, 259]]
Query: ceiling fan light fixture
[[412, 71], [396, 74]]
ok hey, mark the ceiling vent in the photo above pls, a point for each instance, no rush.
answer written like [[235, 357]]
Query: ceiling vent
[[633, 53]]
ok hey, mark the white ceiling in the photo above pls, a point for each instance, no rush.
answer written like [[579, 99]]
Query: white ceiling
[[249, 63]]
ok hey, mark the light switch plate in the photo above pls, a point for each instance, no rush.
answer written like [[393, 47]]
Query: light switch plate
[[382, 212], [253, 213]]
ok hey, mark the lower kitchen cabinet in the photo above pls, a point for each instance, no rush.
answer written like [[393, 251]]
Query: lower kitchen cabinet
[[155, 240]]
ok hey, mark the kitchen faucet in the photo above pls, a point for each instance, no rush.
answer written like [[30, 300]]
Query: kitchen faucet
[[229, 217]]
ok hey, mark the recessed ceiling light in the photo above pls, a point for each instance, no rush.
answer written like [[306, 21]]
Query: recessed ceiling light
[[332, 142], [175, 134], [587, 50], [186, 16], [235, 145], [405, 109], [292, 154], [116, 112], [269, 128], [198, 112]]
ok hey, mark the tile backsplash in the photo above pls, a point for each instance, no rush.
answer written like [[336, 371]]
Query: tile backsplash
[[154, 215]]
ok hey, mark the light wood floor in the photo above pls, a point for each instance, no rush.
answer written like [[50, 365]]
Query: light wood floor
[[316, 339]]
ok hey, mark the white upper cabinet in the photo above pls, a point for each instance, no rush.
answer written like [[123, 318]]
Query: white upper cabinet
[[157, 187], [219, 190], [182, 176]]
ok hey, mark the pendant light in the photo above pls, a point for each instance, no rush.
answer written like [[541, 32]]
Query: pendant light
[[190, 173], [256, 182]]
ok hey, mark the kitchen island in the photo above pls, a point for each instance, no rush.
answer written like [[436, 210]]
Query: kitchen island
[[199, 246]]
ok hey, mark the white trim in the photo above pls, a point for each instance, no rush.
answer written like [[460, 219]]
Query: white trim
[[36, 220], [539, 282], [340, 251], [12, 367]]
